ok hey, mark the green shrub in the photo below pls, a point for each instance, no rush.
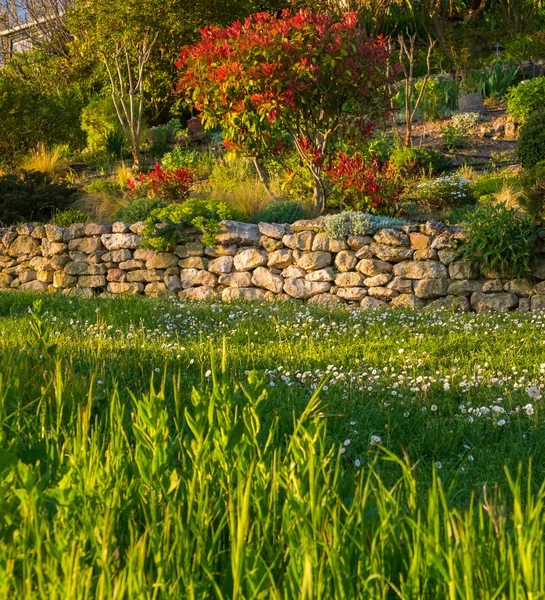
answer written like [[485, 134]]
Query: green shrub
[[526, 99], [453, 138], [98, 120], [282, 211], [499, 239], [138, 210], [532, 199], [167, 226], [490, 183], [104, 186], [162, 136], [30, 117], [415, 161], [497, 81], [531, 142], [179, 158], [70, 216], [32, 197]]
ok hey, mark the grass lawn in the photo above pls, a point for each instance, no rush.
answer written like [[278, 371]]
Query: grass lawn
[[116, 480]]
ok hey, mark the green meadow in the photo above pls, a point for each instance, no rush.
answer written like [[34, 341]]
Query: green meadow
[[154, 449]]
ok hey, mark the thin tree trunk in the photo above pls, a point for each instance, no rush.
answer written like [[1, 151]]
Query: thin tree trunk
[[263, 177]]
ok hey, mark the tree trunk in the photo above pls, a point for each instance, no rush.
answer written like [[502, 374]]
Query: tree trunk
[[319, 197], [263, 177]]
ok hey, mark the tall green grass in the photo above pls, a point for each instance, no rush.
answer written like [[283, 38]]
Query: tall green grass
[[171, 493]]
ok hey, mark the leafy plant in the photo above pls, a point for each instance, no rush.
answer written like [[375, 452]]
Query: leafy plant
[[500, 240], [163, 136], [69, 217], [531, 141], [352, 222], [113, 144], [282, 211], [441, 193], [465, 121], [32, 196], [416, 161], [532, 198], [138, 210], [453, 138], [496, 82], [330, 80], [366, 185], [526, 99], [98, 120], [167, 226], [168, 186]]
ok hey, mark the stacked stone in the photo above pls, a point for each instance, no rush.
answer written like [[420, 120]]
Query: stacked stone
[[409, 267]]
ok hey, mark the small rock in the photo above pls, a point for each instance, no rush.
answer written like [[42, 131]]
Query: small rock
[[300, 288], [499, 302], [263, 278], [238, 280], [371, 267], [249, 259], [369, 303], [349, 280]]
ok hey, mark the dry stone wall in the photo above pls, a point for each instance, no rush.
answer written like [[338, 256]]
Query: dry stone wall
[[409, 267]]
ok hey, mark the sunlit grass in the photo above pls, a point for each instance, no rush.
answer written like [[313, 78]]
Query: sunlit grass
[[321, 454]]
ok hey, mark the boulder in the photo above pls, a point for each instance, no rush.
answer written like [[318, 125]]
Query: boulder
[[300, 288], [378, 280], [403, 286], [115, 287], [193, 262], [263, 278], [156, 289], [352, 294], [222, 264], [391, 253], [23, 245], [280, 259], [233, 232], [299, 241], [421, 270], [162, 260], [312, 261], [349, 280], [420, 241], [498, 302], [83, 268], [464, 287], [431, 288], [326, 244], [372, 267], [327, 274], [194, 277], [238, 280], [119, 241], [346, 260], [461, 269], [92, 281], [272, 230], [249, 259], [382, 293], [392, 237]]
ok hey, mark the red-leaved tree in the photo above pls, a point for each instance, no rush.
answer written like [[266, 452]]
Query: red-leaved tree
[[301, 75]]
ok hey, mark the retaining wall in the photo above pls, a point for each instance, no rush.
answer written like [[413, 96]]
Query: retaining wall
[[410, 267]]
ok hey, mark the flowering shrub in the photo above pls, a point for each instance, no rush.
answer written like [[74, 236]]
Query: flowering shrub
[[303, 76], [443, 192], [168, 186], [371, 186], [167, 226]]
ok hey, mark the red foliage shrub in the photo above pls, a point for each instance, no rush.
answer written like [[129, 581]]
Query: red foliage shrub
[[302, 76], [367, 185], [169, 186]]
